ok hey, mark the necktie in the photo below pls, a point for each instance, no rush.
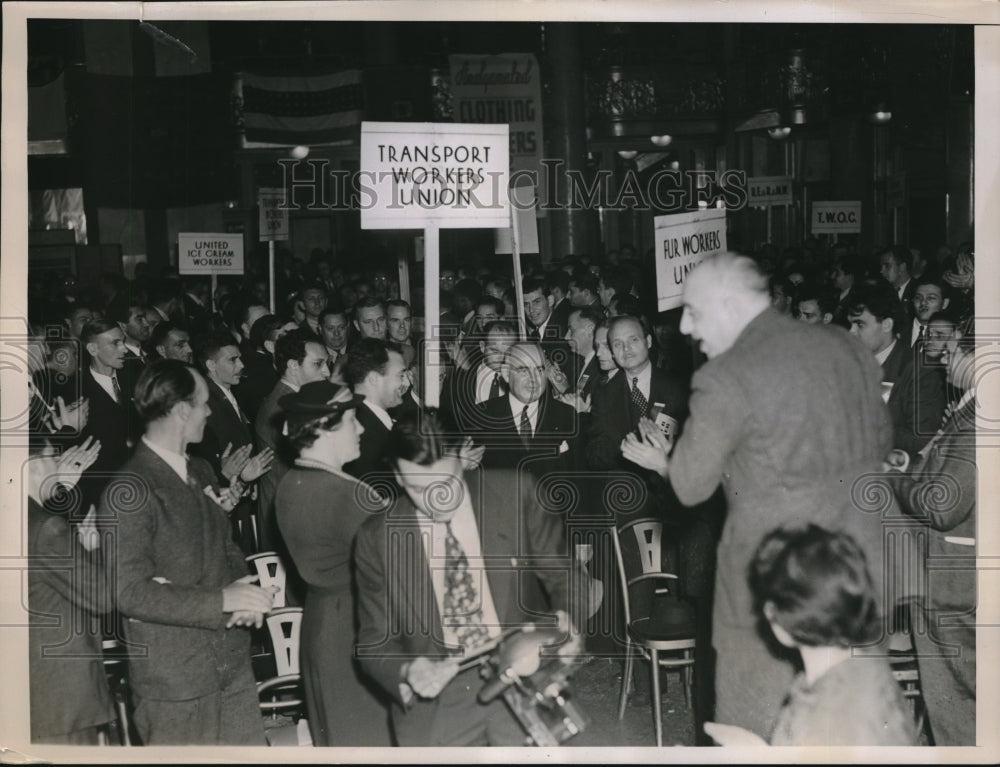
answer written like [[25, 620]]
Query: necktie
[[920, 335], [463, 608], [534, 335], [638, 399], [495, 386], [117, 389], [525, 427]]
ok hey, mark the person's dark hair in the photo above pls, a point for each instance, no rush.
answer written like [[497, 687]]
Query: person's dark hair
[[69, 309], [628, 304], [161, 385], [398, 303], [303, 437], [503, 326], [621, 318], [589, 314], [531, 284], [120, 309], [160, 333], [557, 279], [584, 279], [617, 278], [466, 291], [312, 286], [933, 277], [496, 303], [94, 328], [208, 345], [900, 254], [334, 307], [812, 291], [819, 583], [851, 265], [163, 290], [418, 437], [367, 303], [880, 299], [291, 346], [367, 355], [262, 327]]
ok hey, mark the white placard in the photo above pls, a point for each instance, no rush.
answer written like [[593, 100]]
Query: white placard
[[769, 190], [209, 253], [682, 242], [450, 176], [273, 215], [836, 217]]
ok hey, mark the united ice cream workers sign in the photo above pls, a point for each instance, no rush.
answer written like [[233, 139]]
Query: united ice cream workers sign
[[209, 253]]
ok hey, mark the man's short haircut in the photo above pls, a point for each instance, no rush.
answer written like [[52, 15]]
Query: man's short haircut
[[584, 279], [501, 282], [623, 318], [120, 310], [70, 309], [164, 290], [900, 254], [933, 277], [418, 437], [208, 345], [469, 289], [617, 278], [161, 331], [367, 303], [263, 327], [334, 307], [813, 291], [312, 286], [94, 328], [161, 385], [366, 356], [820, 585], [500, 326], [531, 284], [590, 314], [628, 304], [849, 264], [528, 343], [556, 279], [399, 303], [879, 298], [291, 346]]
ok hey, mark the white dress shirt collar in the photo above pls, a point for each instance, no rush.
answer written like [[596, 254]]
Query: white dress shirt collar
[[105, 383], [517, 407], [883, 355], [644, 376]]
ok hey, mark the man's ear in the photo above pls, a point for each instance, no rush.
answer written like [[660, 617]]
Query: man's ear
[[890, 327], [269, 347], [357, 327], [649, 341], [944, 303], [550, 299], [91, 348], [162, 351]]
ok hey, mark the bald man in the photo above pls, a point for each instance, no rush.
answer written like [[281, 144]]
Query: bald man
[[788, 417]]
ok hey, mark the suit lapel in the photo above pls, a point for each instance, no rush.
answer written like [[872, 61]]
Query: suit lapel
[[498, 550]]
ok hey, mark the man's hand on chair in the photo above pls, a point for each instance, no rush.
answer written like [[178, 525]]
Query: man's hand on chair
[[243, 600]]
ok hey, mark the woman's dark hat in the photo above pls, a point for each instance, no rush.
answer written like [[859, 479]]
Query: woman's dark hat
[[315, 400]]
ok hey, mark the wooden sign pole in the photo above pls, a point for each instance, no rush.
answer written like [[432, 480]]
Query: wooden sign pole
[[432, 317]]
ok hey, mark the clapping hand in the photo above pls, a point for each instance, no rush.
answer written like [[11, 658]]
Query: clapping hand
[[87, 532], [649, 452], [233, 461], [73, 416], [579, 402], [557, 378], [258, 465], [246, 603], [470, 455], [76, 460]]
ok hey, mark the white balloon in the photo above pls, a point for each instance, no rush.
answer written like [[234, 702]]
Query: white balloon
[[299, 152]]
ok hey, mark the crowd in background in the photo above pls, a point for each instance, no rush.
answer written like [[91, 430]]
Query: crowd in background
[[598, 366]]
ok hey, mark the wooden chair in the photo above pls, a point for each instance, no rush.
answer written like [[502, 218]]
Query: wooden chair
[[282, 694], [658, 624], [116, 670]]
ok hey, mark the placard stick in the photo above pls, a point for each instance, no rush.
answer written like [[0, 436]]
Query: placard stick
[[270, 272], [403, 265], [215, 286], [518, 288], [432, 316]]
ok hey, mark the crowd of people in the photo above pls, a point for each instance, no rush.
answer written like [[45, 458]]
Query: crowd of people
[[176, 432]]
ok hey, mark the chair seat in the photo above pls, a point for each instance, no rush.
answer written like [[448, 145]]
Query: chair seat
[[670, 619]]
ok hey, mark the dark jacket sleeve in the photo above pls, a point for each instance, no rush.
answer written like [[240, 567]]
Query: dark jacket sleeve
[[603, 442], [941, 490], [66, 567]]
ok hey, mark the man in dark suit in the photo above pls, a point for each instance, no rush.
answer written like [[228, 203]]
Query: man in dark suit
[[895, 265], [197, 302], [544, 327], [112, 421], [914, 390], [259, 374], [583, 321], [557, 281], [788, 417], [228, 440], [446, 569], [377, 373], [527, 428], [299, 360], [314, 301], [464, 389], [181, 582]]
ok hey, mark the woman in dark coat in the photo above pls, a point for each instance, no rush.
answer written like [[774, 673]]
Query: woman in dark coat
[[319, 508]]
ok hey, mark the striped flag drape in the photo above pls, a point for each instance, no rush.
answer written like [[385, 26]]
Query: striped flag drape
[[309, 110]]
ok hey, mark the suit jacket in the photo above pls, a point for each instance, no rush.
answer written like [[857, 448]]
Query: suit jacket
[[950, 516], [66, 589], [115, 425], [267, 426], [560, 315], [554, 444], [169, 529], [918, 397], [259, 377], [373, 447], [459, 408], [592, 371], [223, 427], [612, 415], [790, 420], [397, 613]]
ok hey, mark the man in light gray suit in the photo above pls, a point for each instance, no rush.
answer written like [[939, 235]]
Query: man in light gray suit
[[789, 418]]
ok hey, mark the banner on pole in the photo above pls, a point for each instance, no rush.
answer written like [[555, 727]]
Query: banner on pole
[[273, 215], [523, 208], [763, 191], [505, 88], [682, 242], [450, 176], [836, 217], [209, 253]]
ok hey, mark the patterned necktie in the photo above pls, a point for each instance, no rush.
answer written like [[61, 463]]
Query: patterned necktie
[[117, 389], [495, 386], [463, 608], [525, 427], [534, 335], [638, 399]]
